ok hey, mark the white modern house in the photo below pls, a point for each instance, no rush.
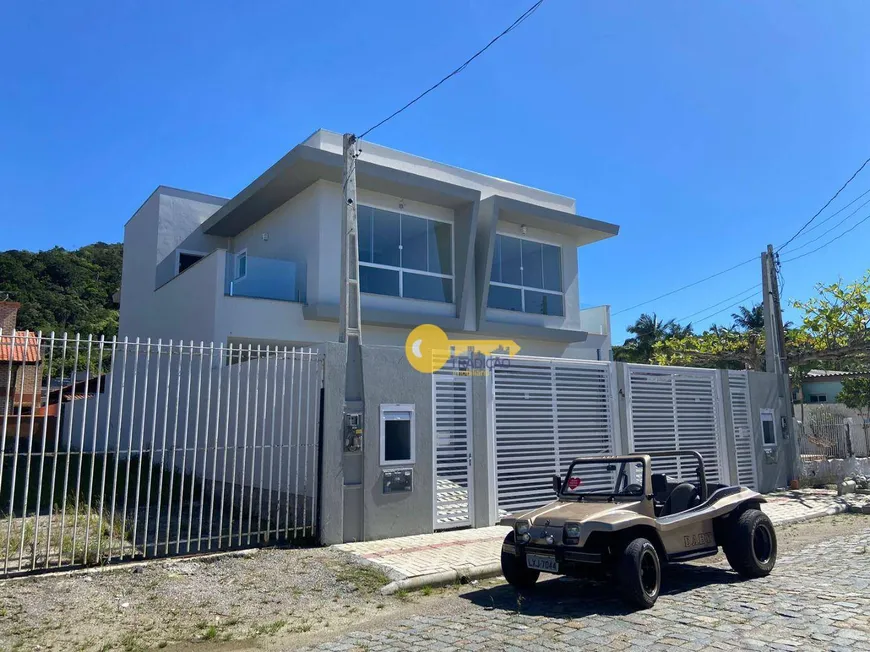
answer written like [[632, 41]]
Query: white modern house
[[476, 255]]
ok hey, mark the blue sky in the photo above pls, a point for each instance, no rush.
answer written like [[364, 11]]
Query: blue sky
[[706, 130]]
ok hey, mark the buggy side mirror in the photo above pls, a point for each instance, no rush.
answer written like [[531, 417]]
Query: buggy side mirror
[[557, 484]]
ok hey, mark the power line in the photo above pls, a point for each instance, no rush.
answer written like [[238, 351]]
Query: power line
[[513, 26], [782, 246], [728, 307], [686, 287], [743, 291], [833, 228], [812, 251], [834, 214], [828, 203]]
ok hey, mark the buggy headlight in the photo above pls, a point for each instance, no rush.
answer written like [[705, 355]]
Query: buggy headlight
[[572, 530], [521, 527]]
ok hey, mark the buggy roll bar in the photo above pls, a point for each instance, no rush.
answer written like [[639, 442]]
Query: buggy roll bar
[[702, 475]]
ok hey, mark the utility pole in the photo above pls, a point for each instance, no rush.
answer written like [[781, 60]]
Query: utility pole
[[776, 359], [350, 334]]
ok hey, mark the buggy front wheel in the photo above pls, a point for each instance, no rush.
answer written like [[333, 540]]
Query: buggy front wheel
[[514, 569]]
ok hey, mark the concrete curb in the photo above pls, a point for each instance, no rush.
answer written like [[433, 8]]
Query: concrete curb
[[461, 575], [833, 510], [468, 573]]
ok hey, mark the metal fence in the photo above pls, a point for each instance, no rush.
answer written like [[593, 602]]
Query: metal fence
[[117, 450], [831, 432]]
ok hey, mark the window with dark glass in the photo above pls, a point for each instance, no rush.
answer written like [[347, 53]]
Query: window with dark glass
[[186, 259], [404, 255], [526, 276]]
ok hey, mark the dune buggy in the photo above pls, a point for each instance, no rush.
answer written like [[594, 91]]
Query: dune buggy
[[613, 515]]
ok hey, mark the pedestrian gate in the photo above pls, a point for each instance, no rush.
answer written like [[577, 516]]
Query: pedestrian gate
[[741, 415], [451, 416]]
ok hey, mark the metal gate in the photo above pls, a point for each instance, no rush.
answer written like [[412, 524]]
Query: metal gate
[[130, 450], [676, 408], [544, 413], [451, 415], [741, 415]]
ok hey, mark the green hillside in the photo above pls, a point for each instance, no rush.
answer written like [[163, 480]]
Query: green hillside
[[62, 290]]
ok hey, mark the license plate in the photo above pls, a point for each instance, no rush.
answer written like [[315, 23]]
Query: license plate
[[542, 563]]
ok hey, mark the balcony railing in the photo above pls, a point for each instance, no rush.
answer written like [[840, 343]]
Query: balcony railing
[[266, 278]]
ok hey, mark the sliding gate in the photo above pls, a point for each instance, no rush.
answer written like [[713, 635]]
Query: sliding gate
[[544, 413]]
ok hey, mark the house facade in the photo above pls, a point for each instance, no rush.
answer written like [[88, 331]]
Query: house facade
[[20, 366], [823, 385], [472, 254]]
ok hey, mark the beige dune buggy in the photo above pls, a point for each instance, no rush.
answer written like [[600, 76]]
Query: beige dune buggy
[[614, 515]]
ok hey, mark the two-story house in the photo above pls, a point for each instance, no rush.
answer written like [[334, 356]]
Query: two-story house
[[476, 255]]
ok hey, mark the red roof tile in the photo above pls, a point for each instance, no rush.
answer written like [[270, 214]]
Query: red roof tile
[[23, 346]]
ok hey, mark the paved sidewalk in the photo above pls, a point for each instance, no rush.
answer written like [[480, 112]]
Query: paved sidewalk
[[476, 552]]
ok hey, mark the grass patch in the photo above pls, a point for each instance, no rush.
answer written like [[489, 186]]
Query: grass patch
[[426, 591], [368, 578], [269, 629]]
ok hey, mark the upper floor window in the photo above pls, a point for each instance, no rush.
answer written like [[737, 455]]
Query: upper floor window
[[526, 276], [404, 255]]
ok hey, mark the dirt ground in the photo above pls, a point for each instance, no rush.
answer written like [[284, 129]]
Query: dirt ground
[[260, 600]]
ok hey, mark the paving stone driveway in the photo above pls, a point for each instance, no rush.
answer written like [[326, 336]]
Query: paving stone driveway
[[818, 599]]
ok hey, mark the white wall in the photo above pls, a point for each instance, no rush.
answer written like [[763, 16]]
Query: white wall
[[137, 270], [331, 141]]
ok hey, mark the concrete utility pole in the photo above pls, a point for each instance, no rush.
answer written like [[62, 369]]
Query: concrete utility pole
[[350, 334], [775, 355]]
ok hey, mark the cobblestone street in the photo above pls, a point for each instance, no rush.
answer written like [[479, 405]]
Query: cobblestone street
[[817, 598]]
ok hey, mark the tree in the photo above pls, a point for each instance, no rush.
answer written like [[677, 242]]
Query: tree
[[648, 330], [62, 290], [749, 319], [834, 331], [856, 395]]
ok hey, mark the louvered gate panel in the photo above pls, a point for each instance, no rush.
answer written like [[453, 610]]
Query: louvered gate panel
[[584, 417], [741, 415], [525, 442], [452, 428], [675, 409], [546, 412]]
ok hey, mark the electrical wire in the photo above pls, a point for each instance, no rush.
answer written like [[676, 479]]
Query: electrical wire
[[728, 307], [828, 203], [686, 287], [833, 215], [734, 296], [833, 228], [832, 240], [458, 70]]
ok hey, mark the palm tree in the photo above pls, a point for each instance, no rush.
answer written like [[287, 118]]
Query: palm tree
[[750, 319], [647, 331]]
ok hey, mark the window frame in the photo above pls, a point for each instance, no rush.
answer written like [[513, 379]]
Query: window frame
[[188, 252], [397, 407], [236, 258], [403, 270], [523, 288]]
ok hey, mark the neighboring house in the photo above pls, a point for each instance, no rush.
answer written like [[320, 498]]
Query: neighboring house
[[20, 366], [473, 254], [823, 386]]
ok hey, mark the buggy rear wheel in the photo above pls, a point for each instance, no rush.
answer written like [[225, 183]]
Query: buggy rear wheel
[[751, 544], [514, 568], [639, 573]]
